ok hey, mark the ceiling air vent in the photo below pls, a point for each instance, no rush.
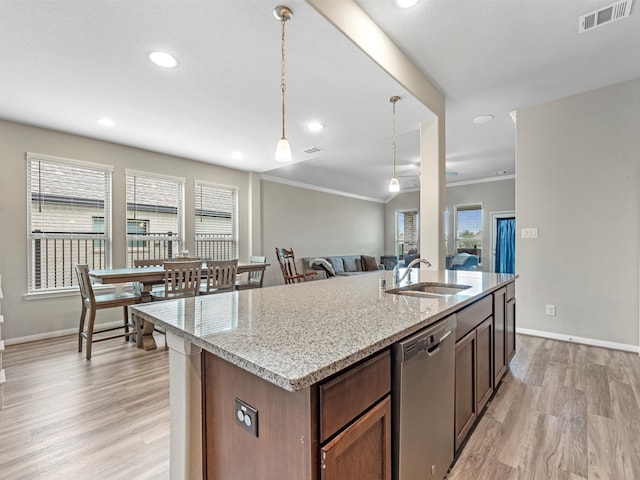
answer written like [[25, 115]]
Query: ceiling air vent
[[604, 15], [312, 150]]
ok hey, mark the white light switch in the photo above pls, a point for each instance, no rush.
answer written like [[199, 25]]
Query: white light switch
[[529, 233]]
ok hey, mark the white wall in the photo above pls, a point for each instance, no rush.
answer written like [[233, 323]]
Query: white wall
[[578, 182], [495, 196], [317, 224], [30, 317]]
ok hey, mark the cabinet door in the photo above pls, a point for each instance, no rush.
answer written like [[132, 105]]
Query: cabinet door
[[484, 358], [511, 329], [500, 349], [363, 450], [466, 403]]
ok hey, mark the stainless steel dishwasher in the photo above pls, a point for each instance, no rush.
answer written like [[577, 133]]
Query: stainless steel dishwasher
[[423, 403]]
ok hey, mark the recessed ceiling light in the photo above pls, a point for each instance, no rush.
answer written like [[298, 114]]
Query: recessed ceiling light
[[315, 126], [236, 155], [107, 122], [406, 3], [483, 119], [163, 59]]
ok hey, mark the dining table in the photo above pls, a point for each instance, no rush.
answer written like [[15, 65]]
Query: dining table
[[147, 277]]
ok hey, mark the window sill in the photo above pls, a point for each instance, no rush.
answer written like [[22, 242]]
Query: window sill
[[66, 292]]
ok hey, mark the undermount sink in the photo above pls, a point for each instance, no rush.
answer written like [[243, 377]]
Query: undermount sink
[[429, 289]]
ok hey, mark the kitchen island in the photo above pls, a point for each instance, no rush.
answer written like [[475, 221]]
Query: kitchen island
[[289, 352]]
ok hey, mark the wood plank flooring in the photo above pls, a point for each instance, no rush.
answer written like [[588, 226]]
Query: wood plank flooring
[[564, 412], [68, 418]]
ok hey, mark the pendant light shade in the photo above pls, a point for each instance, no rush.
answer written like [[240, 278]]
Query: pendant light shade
[[394, 185], [283, 149]]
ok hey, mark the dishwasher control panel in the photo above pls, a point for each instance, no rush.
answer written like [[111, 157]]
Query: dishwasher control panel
[[427, 340]]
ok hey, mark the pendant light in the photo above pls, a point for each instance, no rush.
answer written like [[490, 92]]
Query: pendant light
[[394, 185], [283, 149]]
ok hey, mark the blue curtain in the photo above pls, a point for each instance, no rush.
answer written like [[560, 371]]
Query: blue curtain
[[506, 246]]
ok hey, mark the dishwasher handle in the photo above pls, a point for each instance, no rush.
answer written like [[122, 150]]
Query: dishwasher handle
[[435, 348]]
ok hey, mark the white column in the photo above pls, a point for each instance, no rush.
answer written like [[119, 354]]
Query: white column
[[432, 192], [185, 406]]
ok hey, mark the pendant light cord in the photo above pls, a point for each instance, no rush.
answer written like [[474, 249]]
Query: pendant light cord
[[394, 139], [283, 85]]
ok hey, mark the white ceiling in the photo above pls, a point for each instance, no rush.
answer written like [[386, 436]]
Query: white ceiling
[[66, 63]]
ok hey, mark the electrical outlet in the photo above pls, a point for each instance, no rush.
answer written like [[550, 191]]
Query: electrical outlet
[[246, 416], [551, 310]]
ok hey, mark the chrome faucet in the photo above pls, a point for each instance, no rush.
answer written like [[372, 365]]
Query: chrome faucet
[[396, 269]]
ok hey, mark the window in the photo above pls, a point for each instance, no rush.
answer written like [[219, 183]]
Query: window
[[63, 198], [133, 226], [407, 233], [216, 222], [469, 230], [155, 216]]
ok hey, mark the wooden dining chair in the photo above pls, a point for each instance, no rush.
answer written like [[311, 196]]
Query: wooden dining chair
[[181, 279], [287, 262], [149, 262], [255, 277], [93, 303], [221, 276]]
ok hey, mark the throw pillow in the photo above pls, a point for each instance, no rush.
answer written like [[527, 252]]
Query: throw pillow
[[350, 264], [336, 263], [369, 263], [324, 265]]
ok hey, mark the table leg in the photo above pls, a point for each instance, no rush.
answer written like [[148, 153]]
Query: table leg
[[144, 334]]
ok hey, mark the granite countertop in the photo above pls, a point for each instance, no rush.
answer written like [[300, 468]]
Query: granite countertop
[[296, 335]]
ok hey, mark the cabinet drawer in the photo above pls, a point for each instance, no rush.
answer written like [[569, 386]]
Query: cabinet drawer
[[511, 290], [472, 316], [348, 395]]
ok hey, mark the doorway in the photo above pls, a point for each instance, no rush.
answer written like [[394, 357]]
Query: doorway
[[503, 241]]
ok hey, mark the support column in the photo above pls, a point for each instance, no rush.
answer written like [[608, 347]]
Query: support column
[[185, 406], [432, 192]]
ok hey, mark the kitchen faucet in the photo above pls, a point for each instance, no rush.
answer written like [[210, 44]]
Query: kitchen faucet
[[396, 269]]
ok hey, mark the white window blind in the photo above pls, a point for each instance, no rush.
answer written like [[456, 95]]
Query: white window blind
[[155, 216], [216, 221], [63, 198]]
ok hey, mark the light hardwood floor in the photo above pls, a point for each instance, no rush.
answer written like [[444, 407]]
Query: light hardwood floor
[[69, 418], [563, 412]]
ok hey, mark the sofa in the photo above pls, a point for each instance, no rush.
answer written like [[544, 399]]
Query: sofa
[[462, 261], [342, 265]]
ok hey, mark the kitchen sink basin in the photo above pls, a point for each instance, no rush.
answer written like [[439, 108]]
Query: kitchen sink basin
[[429, 289]]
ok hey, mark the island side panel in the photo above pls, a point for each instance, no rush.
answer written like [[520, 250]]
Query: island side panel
[[286, 445]]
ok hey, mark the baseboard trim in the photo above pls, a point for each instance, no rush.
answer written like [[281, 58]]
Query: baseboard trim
[[585, 341], [57, 333]]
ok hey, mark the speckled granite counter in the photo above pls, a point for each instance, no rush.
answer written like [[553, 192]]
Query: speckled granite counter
[[296, 335]]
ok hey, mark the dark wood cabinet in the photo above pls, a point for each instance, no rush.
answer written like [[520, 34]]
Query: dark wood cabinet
[[499, 335], [484, 370], [362, 450], [511, 321], [474, 377], [337, 429], [466, 404]]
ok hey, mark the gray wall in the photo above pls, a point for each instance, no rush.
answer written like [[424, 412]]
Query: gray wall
[[317, 224], [495, 196], [402, 201], [32, 316], [578, 182]]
